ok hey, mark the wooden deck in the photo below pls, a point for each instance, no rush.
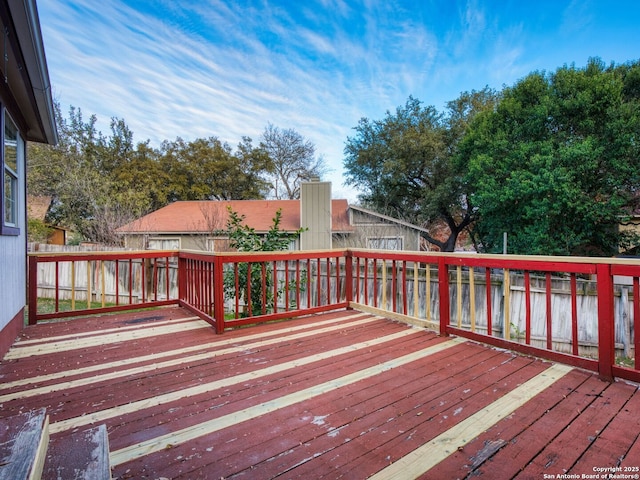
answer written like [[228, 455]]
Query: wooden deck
[[338, 395]]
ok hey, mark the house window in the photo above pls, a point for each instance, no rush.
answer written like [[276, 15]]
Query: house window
[[385, 243], [12, 160], [163, 244]]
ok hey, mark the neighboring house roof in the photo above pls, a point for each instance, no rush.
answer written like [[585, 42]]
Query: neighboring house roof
[[209, 215]]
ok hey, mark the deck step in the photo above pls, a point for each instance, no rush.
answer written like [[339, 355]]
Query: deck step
[[23, 444], [83, 455]]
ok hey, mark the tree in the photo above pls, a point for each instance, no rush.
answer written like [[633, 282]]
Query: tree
[[404, 163], [208, 169], [293, 161], [79, 174], [98, 183], [557, 164], [256, 292]]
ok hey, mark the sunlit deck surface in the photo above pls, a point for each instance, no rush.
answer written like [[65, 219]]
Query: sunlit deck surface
[[337, 395]]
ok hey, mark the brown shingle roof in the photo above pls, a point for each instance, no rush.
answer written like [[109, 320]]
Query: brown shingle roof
[[206, 216]]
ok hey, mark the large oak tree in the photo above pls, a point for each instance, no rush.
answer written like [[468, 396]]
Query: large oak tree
[[404, 164], [557, 164]]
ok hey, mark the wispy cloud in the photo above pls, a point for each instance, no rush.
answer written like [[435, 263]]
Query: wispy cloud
[[220, 68]]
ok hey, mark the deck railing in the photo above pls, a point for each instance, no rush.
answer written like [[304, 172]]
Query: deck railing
[[579, 311]]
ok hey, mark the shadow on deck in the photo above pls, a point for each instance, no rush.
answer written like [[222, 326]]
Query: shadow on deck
[[335, 395]]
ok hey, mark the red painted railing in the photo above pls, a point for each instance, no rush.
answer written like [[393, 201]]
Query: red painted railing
[[579, 311]]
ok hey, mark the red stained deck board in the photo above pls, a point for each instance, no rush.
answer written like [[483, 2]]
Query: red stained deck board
[[344, 419], [294, 425], [483, 447], [614, 441], [523, 448], [563, 452], [377, 419], [38, 365], [406, 434], [288, 438], [195, 369], [236, 397]]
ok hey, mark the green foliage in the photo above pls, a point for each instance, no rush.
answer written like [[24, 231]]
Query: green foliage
[[557, 164], [98, 183], [38, 231], [250, 276], [404, 163]]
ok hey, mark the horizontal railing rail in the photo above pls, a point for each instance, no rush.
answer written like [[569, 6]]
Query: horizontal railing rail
[[72, 284], [580, 311]]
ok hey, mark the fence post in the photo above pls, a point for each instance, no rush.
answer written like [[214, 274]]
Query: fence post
[[443, 293], [32, 280], [348, 267], [606, 325], [218, 293]]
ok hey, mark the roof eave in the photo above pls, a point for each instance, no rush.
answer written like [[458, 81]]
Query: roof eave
[[25, 17]]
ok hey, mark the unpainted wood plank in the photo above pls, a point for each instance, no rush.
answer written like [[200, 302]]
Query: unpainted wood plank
[[100, 340], [267, 438], [521, 449], [153, 445], [23, 441], [481, 450]]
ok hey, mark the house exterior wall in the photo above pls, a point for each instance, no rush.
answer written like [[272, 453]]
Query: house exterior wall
[[13, 264], [368, 228]]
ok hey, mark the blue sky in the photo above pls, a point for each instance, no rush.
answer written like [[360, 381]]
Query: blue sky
[[205, 68]]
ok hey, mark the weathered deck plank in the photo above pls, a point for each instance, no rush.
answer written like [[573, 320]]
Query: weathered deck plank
[[340, 395]]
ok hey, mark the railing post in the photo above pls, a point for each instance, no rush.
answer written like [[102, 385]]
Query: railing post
[[443, 293], [218, 293], [182, 278], [606, 337], [32, 280], [348, 267]]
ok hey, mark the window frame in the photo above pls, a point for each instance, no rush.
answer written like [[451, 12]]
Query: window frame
[[5, 228], [385, 240]]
